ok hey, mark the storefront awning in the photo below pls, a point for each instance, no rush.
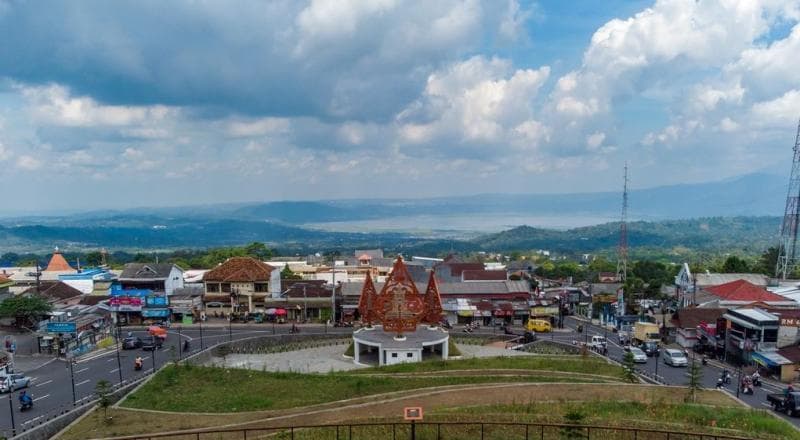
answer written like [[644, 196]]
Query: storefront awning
[[769, 359]]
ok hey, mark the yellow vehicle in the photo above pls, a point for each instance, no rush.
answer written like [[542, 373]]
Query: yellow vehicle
[[538, 325]]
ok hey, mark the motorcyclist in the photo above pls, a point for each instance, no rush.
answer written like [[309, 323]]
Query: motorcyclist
[[25, 400], [138, 362], [756, 378], [186, 345]]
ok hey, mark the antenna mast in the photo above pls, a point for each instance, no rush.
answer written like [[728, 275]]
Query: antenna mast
[[622, 250], [787, 249]]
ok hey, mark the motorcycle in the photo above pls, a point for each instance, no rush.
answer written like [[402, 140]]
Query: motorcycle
[[726, 376], [704, 360], [756, 378], [137, 365], [25, 403]]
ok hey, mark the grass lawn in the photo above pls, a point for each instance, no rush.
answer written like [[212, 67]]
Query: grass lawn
[[208, 389], [732, 420], [451, 405], [569, 364]]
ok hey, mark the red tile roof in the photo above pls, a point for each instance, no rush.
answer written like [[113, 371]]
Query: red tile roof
[[741, 290], [240, 269], [57, 263], [691, 317], [484, 275]]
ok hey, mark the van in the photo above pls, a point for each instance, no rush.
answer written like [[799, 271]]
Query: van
[[538, 325]]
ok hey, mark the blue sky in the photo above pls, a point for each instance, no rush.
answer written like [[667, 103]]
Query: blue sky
[[146, 103]]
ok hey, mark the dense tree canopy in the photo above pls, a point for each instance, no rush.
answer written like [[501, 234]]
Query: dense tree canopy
[[27, 309]]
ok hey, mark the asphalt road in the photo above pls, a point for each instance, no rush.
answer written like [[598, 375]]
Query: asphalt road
[[677, 375], [52, 384]]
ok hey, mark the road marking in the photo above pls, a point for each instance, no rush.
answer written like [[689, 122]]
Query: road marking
[[43, 383], [34, 378], [32, 420], [40, 398], [82, 370], [146, 357], [81, 383], [114, 370], [110, 360]]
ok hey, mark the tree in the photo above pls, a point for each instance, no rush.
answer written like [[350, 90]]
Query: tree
[[103, 391], [258, 250], [734, 264], [695, 383], [601, 264], [629, 368], [768, 261], [27, 310], [288, 274], [93, 259]]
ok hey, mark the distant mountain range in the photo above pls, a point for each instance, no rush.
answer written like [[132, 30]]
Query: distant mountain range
[[738, 214]]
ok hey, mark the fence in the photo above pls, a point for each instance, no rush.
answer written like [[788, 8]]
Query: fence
[[438, 431]]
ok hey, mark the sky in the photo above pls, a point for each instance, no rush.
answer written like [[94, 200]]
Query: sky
[[150, 103]]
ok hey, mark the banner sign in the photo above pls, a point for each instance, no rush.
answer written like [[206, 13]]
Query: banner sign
[[157, 313], [157, 301], [125, 301], [62, 327]]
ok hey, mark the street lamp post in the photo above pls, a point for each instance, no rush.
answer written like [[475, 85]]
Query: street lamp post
[[119, 361], [72, 380], [230, 315], [180, 345], [11, 410], [202, 347], [153, 357], [305, 304]]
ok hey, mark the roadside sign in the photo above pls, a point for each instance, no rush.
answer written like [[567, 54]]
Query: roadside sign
[[412, 413], [62, 327]]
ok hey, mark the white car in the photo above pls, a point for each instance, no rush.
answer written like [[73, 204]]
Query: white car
[[13, 382], [638, 355], [675, 358]]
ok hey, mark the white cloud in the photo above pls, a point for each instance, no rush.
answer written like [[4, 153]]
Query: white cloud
[[133, 154], [5, 153], [53, 104], [28, 163], [781, 111], [479, 101], [258, 127], [595, 140]]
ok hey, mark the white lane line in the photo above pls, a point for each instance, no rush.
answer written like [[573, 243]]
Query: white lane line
[[32, 420], [114, 370], [82, 370], [81, 383], [34, 378], [40, 398], [44, 383], [145, 358], [110, 360]]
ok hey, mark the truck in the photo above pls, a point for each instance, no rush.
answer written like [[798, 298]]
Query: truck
[[646, 332], [788, 403], [598, 343]]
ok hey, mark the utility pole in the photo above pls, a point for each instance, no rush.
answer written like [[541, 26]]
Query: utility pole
[[11, 410], [180, 345], [787, 249]]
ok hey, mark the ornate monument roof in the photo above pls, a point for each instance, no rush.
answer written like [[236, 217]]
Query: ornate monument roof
[[400, 307]]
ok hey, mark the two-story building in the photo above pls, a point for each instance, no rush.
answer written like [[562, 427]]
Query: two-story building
[[240, 285], [161, 278]]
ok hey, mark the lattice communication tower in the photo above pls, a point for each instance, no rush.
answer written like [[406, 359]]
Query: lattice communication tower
[[622, 250], [787, 249]]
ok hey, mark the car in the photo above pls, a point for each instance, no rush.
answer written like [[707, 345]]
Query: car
[[13, 382], [638, 355], [598, 343], [131, 343], [150, 343], [650, 348], [675, 358], [538, 325]]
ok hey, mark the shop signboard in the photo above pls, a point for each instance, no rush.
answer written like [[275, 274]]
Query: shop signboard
[[187, 319], [157, 301], [125, 301], [155, 313], [62, 327]]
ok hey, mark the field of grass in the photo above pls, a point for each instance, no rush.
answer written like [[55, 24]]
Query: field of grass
[[732, 420], [438, 406], [209, 389]]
